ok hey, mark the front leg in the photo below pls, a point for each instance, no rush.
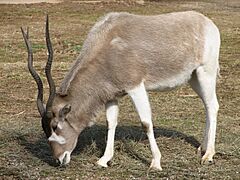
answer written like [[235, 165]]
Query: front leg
[[140, 99], [112, 115]]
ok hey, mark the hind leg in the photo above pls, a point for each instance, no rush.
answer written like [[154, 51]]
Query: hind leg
[[204, 84]]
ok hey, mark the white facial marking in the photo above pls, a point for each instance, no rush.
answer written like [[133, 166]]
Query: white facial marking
[[59, 126], [56, 138], [65, 157]]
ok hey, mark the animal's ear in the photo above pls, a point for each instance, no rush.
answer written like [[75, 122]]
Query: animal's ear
[[65, 110]]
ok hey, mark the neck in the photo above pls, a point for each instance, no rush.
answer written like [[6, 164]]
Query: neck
[[87, 96]]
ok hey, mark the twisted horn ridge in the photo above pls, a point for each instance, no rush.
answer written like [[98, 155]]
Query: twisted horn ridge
[[52, 88], [34, 74]]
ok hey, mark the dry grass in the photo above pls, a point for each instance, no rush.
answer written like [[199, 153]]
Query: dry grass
[[178, 115]]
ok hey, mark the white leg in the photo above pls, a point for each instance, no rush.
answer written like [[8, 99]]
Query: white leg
[[112, 114], [140, 99], [204, 83]]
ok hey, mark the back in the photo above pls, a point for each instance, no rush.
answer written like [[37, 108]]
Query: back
[[126, 49], [162, 48]]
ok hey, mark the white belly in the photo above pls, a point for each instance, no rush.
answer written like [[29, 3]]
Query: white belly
[[169, 83]]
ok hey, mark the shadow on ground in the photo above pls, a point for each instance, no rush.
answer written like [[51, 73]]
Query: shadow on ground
[[97, 134]]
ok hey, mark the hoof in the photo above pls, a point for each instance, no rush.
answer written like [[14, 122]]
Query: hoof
[[155, 165], [102, 163], [207, 158]]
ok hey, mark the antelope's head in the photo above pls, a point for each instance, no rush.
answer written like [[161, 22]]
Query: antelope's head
[[62, 136]]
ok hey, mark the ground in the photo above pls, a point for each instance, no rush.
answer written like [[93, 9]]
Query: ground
[[178, 115]]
